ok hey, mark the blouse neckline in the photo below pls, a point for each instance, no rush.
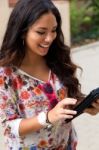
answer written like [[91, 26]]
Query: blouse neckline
[[27, 74]]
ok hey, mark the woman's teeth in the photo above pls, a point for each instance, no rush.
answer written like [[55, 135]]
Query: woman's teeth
[[44, 46]]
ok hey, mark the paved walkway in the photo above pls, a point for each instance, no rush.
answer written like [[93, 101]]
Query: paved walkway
[[87, 126]]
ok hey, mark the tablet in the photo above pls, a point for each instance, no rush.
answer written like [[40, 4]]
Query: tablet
[[91, 97]]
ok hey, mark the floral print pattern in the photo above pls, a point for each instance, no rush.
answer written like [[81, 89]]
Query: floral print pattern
[[23, 96]]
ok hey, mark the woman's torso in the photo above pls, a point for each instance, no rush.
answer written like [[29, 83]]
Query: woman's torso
[[30, 101]]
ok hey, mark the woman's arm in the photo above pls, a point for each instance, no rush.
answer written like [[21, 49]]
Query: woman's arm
[[19, 126], [10, 118], [12, 122], [60, 111], [29, 125]]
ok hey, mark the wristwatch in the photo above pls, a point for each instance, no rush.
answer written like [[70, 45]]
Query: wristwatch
[[43, 119]]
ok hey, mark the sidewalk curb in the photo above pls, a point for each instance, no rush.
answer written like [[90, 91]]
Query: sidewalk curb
[[86, 47]]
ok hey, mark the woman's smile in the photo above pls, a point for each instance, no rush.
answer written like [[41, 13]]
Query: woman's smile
[[44, 49]]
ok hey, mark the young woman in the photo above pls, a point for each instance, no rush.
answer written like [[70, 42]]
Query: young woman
[[38, 85]]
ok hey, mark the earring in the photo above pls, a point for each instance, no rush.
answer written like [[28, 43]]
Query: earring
[[23, 42]]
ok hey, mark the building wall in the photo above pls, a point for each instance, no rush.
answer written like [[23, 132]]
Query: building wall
[[4, 14], [64, 8]]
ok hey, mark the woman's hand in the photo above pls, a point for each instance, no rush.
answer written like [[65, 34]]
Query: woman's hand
[[95, 109], [62, 111]]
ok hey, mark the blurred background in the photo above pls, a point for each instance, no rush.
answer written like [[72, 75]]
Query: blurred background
[[84, 16]]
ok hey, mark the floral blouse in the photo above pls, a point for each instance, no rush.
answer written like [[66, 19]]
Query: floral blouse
[[23, 96]]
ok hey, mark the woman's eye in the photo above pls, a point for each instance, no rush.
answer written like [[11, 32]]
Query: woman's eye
[[54, 30], [41, 33]]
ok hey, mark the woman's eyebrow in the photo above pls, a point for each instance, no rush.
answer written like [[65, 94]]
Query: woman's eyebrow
[[44, 28]]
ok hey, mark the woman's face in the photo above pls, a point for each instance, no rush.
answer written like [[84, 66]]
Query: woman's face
[[41, 34]]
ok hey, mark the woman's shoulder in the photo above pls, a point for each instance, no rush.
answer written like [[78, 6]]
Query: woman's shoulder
[[6, 70]]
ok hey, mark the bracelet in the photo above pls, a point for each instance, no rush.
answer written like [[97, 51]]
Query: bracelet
[[47, 119], [43, 119]]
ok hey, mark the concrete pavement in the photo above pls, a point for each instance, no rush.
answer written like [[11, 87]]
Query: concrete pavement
[[87, 126]]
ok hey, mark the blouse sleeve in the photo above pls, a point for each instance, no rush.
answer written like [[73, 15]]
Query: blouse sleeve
[[9, 116]]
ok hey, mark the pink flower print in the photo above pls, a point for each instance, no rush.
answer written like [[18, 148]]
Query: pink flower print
[[49, 92], [5, 97], [25, 95]]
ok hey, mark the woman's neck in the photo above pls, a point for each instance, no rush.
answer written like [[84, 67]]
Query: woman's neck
[[35, 66], [33, 60]]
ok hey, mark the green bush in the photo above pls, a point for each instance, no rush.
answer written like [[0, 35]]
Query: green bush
[[84, 21], [95, 5], [76, 16]]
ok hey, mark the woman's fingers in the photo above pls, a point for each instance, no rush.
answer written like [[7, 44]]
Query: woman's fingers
[[66, 116], [94, 109], [67, 102], [91, 111], [69, 112], [97, 101], [95, 106], [62, 111]]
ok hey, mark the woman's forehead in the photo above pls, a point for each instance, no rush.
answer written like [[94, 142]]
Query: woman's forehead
[[45, 20]]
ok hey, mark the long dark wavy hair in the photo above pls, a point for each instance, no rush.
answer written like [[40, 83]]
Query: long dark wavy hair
[[25, 13]]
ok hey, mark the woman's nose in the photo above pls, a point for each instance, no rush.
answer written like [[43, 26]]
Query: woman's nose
[[49, 38]]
